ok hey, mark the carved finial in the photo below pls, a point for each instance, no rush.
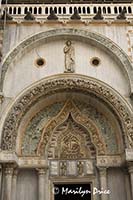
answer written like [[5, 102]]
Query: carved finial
[[76, 15], [52, 16], [98, 16], [69, 52], [29, 16], [6, 16], [122, 15]]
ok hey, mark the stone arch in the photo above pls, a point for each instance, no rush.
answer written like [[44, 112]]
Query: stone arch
[[69, 83], [118, 54], [70, 109]]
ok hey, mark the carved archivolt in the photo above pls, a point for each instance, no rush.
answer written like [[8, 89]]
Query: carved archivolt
[[32, 133], [69, 108], [70, 83]]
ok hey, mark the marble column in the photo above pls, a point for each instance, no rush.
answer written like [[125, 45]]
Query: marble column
[[41, 183], [14, 184], [131, 177], [0, 180], [103, 182], [8, 183], [127, 183]]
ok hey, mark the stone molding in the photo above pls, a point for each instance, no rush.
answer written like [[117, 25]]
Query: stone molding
[[129, 155], [39, 163], [61, 83], [103, 171], [42, 171], [118, 54], [110, 161]]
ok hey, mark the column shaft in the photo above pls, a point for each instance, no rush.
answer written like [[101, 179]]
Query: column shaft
[[131, 178], [0, 181], [41, 182], [8, 186], [14, 184], [103, 182]]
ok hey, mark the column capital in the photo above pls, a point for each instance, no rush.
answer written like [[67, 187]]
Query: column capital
[[42, 171], [130, 167], [15, 172], [103, 171], [9, 171]]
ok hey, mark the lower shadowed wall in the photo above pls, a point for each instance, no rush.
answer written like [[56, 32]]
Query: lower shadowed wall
[[27, 188], [117, 183]]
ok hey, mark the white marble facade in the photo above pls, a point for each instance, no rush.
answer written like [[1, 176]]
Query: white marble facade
[[110, 93]]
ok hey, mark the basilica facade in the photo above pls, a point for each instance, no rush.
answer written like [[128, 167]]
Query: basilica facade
[[66, 100]]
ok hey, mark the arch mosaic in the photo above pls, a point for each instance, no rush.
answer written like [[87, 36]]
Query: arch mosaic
[[83, 35], [68, 83], [69, 108], [30, 135]]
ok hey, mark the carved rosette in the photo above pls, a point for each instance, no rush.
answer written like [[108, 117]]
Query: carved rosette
[[59, 84]]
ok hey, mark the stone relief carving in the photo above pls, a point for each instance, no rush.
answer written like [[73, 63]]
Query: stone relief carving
[[71, 168], [80, 167], [54, 168], [68, 83], [89, 167], [69, 52], [69, 108], [67, 168], [78, 143], [63, 168], [71, 142], [70, 147]]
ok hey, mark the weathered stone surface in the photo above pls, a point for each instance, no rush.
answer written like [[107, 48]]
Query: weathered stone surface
[[99, 40]]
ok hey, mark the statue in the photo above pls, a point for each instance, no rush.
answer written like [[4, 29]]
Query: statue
[[80, 168], [69, 57], [63, 168]]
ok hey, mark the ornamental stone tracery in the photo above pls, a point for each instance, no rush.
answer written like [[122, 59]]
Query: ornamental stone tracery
[[70, 109], [68, 83], [70, 141]]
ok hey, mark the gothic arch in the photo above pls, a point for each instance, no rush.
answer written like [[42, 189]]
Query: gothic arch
[[118, 54], [70, 140], [60, 83], [70, 109]]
